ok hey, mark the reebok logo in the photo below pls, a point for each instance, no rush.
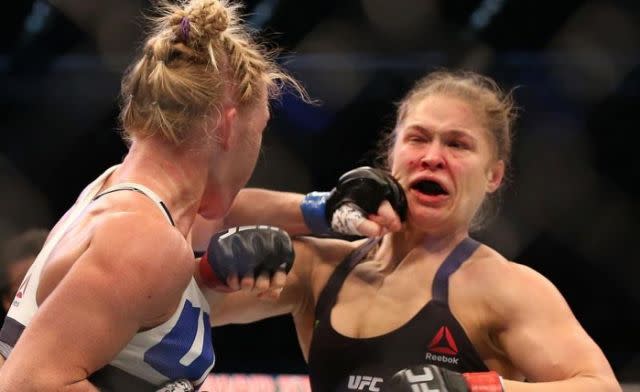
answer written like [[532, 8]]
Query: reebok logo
[[21, 290], [443, 343], [23, 286], [442, 358], [358, 383]]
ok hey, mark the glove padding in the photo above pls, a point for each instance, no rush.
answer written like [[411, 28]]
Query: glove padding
[[246, 251], [367, 187], [177, 386], [434, 378], [359, 192]]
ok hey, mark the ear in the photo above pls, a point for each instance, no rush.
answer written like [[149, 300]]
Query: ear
[[227, 124], [495, 174]]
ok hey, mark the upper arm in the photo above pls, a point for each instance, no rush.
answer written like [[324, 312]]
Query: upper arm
[[253, 206], [246, 307], [267, 207], [202, 230], [128, 278], [539, 332]]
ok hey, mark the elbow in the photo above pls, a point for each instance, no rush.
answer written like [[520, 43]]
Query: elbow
[[613, 386], [608, 384]]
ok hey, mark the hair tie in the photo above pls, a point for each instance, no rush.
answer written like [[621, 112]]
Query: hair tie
[[185, 27]]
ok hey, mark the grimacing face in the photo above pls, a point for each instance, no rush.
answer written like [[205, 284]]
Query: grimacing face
[[445, 159]]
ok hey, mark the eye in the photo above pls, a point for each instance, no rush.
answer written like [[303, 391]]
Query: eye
[[416, 138], [458, 144]]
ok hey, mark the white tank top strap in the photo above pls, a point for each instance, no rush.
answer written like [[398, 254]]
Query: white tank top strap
[[92, 189], [142, 189]]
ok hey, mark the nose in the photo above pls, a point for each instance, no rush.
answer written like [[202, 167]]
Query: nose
[[432, 158]]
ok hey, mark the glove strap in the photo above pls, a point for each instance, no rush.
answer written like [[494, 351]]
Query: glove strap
[[483, 382], [313, 208], [209, 277]]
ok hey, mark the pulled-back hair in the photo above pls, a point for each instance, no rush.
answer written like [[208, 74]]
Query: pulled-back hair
[[197, 53]]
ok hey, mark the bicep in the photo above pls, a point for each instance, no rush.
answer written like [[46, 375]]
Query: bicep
[[202, 230], [543, 338], [262, 206], [242, 307], [78, 328], [107, 295], [254, 206]]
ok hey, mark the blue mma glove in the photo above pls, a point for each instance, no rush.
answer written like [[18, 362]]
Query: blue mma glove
[[245, 251]]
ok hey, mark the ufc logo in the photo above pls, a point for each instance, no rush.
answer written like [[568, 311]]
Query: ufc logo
[[358, 383], [419, 381]]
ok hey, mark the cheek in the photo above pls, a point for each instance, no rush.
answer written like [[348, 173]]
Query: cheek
[[477, 183], [404, 158]]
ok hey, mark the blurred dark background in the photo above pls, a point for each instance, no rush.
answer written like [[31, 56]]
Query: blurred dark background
[[571, 210]]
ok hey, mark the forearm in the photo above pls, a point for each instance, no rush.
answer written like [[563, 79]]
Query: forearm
[[33, 383], [260, 206], [241, 307], [81, 386], [579, 383]]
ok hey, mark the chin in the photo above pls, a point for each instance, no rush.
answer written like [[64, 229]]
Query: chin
[[428, 218], [209, 214], [216, 210]]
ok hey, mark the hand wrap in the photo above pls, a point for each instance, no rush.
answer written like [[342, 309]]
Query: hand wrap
[[360, 190], [177, 386]]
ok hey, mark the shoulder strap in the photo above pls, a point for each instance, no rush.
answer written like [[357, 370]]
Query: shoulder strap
[[462, 251], [329, 294], [129, 186]]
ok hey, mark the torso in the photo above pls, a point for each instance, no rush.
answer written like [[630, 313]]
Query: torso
[[375, 310]]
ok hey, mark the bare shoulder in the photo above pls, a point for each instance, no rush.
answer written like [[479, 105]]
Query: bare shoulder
[[140, 241], [488, 267], [142, 255], [511, 288], [316, 259]]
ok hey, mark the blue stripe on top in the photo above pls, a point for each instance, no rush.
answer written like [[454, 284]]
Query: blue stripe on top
[[462, 251]]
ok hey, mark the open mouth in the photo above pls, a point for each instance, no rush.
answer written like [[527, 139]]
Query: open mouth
[[429, 187]]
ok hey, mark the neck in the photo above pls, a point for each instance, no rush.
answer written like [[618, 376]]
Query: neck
[[410, 244], [177, 174]]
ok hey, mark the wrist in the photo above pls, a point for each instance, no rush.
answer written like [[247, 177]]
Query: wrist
[[484, 382], [313, 207], [208, 276]]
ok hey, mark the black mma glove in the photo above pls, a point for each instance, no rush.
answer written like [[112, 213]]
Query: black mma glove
[[359, 193], [245, 251], [434, 378]]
